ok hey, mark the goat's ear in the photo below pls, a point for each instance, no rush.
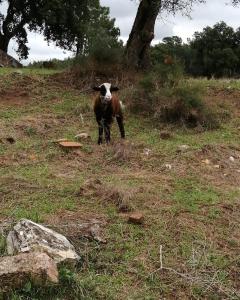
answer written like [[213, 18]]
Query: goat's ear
[[114, 89], [96, 88]]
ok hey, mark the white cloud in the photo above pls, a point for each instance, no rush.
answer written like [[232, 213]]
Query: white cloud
[[39, 49]]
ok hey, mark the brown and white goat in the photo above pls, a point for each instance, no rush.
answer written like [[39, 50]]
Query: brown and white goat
[[106, 107]]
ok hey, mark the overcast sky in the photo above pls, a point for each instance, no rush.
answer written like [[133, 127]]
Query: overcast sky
[[125, 11]]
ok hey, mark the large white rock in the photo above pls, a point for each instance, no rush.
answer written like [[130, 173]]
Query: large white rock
[[28, 236], [16, 271]]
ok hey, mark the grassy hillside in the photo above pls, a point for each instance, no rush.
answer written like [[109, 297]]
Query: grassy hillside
[[188, 247]]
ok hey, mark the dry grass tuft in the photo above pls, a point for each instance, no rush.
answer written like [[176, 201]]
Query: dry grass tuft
[[95, 188]]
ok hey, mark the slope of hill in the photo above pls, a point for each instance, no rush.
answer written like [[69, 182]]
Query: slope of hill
[[188, 246]]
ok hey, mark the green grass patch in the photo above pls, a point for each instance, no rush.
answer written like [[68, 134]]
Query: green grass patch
[[190, 194]]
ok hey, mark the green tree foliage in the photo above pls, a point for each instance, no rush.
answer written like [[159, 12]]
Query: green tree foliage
[[170, 46], [215, 51], [89, 23], [71, 24]]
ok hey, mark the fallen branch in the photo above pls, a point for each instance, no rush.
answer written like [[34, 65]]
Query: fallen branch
[[207, 283]]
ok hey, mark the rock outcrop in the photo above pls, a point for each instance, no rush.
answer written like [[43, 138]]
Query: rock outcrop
[[28, 236], [16, 271]]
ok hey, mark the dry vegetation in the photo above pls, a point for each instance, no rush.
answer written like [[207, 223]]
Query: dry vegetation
[[188, 247]]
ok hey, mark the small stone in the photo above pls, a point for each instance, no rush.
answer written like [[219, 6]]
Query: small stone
[[82, 136], [136, 218], [147, 151], [168, 166], [231, 158], [165, 135], [70, 145], [16, 271], [206, 161], [217, 166], [183, 148]]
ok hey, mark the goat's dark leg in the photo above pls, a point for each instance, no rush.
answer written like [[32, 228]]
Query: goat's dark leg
[[107, 131], [121, 126], [100, 131]]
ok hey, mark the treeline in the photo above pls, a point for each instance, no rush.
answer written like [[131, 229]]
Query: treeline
[[213, 52]]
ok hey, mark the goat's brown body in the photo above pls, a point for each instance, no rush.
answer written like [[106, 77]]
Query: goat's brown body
[[115, 105], [105, 113]]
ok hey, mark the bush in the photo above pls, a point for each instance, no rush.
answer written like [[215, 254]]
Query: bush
[[142, 97], [181, 103], [106, 56], [169, 75], [102, 63], [160, 81], [188, 107]]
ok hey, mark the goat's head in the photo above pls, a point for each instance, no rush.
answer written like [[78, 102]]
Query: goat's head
[[106, 90]]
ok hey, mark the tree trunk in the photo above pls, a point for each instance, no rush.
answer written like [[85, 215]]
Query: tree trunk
[[137, 53], [4, 42]]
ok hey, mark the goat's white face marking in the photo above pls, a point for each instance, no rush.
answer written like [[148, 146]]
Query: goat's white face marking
[[106, 94], [106, 90]]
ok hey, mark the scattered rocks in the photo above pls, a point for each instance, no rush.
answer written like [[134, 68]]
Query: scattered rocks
[[165, 135], [70, 145], [82, 136], [16, 271], [28, 236], [183, 148], [136, 218]]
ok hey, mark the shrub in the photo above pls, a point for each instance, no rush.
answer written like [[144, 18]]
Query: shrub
[[101, 63], [181, 103], [147, 83], [187, 107], [169, 75], [142, 96]]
